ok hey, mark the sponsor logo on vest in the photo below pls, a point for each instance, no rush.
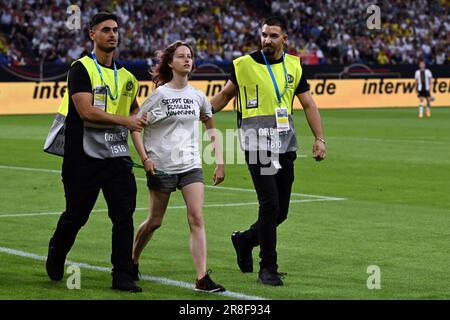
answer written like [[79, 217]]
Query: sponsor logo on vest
[[290, 78], [129, 85]]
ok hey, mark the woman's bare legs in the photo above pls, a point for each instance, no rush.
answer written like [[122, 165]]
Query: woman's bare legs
[[193, 195], [157, 208]]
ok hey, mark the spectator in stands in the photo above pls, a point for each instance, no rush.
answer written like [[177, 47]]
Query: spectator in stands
[[382, 57], [75, 51], [15, 56], [45, 48], [326, 24]]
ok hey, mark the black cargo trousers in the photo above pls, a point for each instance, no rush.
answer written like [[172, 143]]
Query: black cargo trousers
[[273, 188], [83, 181]]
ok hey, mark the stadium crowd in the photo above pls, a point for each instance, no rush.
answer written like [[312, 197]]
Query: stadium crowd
[[321, 32]]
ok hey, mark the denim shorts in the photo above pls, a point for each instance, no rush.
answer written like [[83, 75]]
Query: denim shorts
[[170, 182]]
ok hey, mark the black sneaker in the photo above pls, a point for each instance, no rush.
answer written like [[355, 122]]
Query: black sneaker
[[205, 284], [54, 264], [243, 252], [123, 282], [271, 278], [135, 274]]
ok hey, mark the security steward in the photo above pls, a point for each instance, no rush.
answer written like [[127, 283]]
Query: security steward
[[100, 107], [266, 83]]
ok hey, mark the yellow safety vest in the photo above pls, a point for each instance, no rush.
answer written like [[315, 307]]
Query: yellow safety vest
[[257, 103], [99, 141]]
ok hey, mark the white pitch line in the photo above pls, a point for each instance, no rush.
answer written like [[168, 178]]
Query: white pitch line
[[206, 186], [292, 194], [160, 280], [390, 140], [29, 169], [253, 191], [6, 215], [31, 214]]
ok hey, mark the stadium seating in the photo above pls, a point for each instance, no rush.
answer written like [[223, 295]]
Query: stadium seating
[[321, 32]]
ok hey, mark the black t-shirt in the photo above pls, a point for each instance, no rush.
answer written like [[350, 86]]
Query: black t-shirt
[[78, 81], [302, 87]]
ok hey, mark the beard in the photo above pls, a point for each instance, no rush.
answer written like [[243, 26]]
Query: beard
[[269, 51], [107, 49]]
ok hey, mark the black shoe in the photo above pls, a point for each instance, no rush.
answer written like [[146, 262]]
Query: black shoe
[[243, 252], [123, 282], [54, 264], [135, 274], [271, 278], [205, 284]]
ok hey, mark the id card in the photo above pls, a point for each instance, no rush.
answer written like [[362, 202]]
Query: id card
[[100, 96], [282, 118], [276, 164], [253, 103]]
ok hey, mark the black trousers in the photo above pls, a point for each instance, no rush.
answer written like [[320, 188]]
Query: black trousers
[[274, 193], [83, 181]]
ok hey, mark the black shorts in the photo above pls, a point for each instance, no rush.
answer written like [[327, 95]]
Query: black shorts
[[170, 182], [424, 93]]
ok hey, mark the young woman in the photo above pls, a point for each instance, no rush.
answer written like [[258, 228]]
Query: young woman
[[170, 155]]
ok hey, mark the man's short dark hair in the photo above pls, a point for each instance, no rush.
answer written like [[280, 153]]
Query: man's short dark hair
[[100, 17], [276, 21]]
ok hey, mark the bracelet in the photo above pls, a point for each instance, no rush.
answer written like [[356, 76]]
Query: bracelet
[[321, 139], [143, 162]]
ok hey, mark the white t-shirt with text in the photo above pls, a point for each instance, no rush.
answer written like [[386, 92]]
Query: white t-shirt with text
[[171, 138]]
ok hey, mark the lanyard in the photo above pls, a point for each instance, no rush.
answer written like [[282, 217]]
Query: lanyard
[[279, 97], [101, 76], [137, 165]]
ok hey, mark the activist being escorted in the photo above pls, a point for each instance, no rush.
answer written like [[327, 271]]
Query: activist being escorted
[[170, 154]]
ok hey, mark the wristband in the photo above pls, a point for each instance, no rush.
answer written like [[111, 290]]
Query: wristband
[[143, 162], [321, 139]]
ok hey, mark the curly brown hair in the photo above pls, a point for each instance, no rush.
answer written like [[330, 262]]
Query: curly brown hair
[[162, 72]]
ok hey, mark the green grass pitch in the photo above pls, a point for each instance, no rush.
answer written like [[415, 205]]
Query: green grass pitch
[[389, 169]]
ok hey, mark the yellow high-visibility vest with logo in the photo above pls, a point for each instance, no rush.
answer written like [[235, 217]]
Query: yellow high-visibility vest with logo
[[99, 141], [257, 103]]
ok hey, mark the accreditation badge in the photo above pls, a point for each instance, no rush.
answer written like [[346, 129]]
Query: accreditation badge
[[100, 96], [282, 118], [252, 103], [276, 164]]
